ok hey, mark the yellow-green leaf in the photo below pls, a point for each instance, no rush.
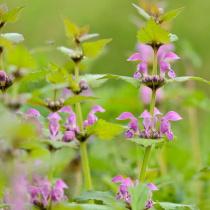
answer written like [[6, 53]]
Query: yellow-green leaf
[[84, 30], [92, 49], [12, 15], [153, 34], [170, 15], [155, 10], [104, 130], [20, 57], [72, 30], [56, 77]]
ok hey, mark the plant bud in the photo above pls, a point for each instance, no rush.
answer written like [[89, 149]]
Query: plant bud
[[76, 130], [47, 100], [68, 136], [83, 85], [143, 80], [62, 100], [36, 202], [69, 128], [155, 78], [148, 78], [57, 103], [162, 80], [142, 135], [52, 104], [155, 135], [2, 76]]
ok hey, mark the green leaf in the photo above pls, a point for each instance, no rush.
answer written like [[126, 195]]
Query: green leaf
[[35, 76], [108, 198], [31, 145], [205, 169], [93, 80], [131, 80], [170, 15], [173, 37], [142, 12], [84, 30], [20, 57], [173, 206], [139, 196], [183, 79], [14, 38], [63, 76], [155, 10], [146, 142], [104, 130], [12, 15], [56, 77], [66, 51], [76, 99], [92, 49], [59, 144], [72, 30], [153, 33], [74, 206], [88, 36], [34, 100]]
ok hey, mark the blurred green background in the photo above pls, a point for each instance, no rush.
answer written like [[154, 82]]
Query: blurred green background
[[178, 177]]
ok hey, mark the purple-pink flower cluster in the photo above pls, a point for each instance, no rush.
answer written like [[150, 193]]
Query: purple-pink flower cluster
[[41, 195], [143, 66], [164, 128], [123, 192]]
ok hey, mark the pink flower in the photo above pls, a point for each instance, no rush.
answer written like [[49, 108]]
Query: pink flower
[[123, 192]]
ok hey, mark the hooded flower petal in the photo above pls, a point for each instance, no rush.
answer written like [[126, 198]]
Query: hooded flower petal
[[163, 50], [146, 114], [147, 122], [173, 116], [141, 66], [57, 194], [156, 112], [31, 112], [132, 125], [38, 125], [45, 194], [54, 125], [54, 116], [33, 192], [117, 178], [152, 186], [165, 125], [91, 116], [61, 184], [125, 115], [164, 66]]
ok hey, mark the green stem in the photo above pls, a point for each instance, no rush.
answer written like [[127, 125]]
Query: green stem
[[144, 164], [152, 106], [154, 72], [83, 149], [55, 91], [76, 72], [85, 165]]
